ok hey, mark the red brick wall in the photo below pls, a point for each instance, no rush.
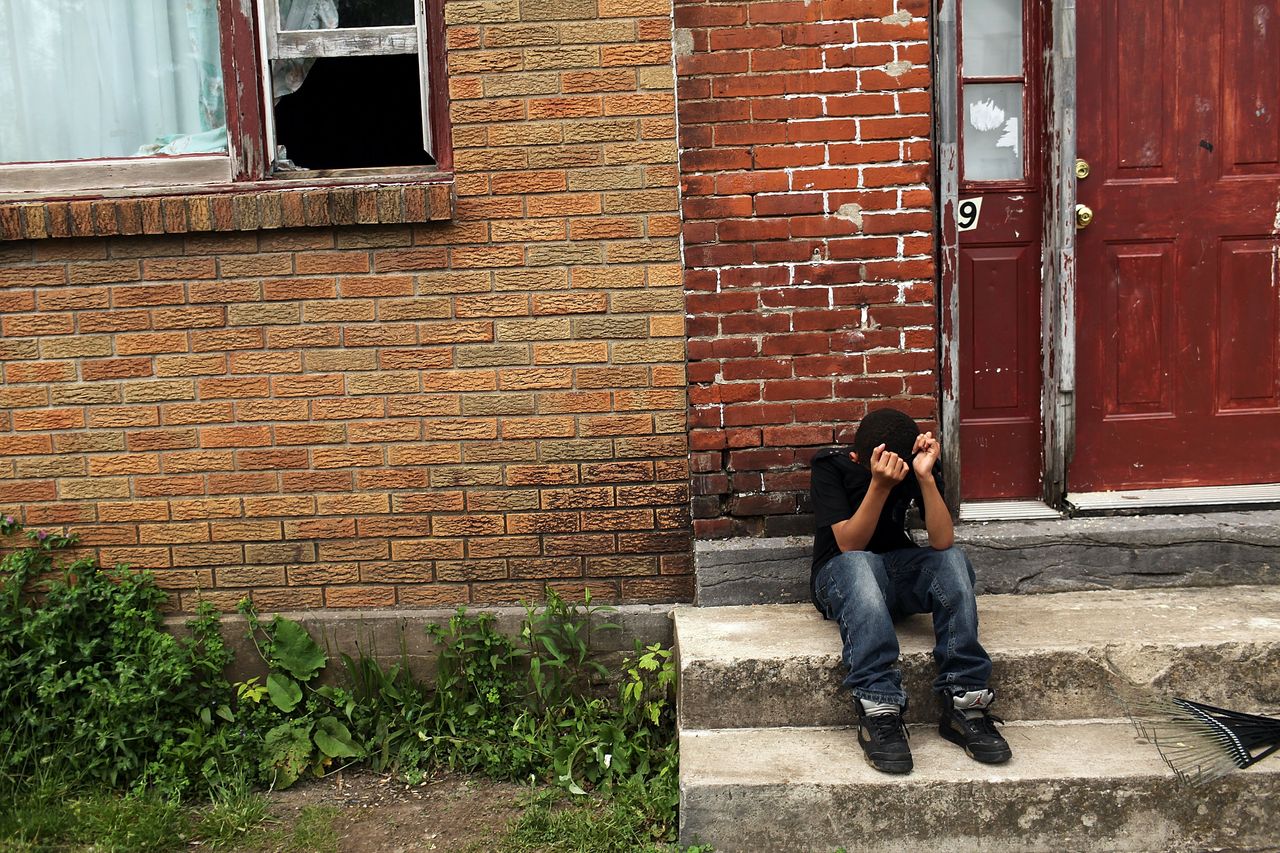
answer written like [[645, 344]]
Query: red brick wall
[[394, 415], [805, 160]]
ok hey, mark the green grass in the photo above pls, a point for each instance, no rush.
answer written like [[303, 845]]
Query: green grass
[[314, 832], [555, 822], [230, 819], [52, 817]]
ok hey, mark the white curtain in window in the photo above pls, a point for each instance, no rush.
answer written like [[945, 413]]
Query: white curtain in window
[[84, 79], [287, 74]]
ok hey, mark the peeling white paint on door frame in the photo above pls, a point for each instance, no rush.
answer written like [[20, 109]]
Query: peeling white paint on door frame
[[946, 133], [1275, 250], [1058, 257]]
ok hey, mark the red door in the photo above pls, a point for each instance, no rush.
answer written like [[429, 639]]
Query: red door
[[999, 214], [1178, 286]]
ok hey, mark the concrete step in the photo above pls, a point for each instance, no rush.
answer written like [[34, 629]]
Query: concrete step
[[1078, 786], [1055, 656], [1150, 551]]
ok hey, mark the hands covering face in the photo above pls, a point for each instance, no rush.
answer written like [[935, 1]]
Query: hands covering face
[[887, 467], [926, 452]]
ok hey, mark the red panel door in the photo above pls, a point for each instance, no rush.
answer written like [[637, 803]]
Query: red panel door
[[999, 271], [1178, 322]]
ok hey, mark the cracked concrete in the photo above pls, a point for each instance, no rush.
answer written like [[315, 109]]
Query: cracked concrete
[[1055, 656], [1206, 549], [1080, 786], [769, 760]]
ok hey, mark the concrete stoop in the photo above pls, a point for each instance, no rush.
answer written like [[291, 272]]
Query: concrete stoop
[[1063, 555], [770, 760]]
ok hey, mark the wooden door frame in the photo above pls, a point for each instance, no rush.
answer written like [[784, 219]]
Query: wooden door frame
[[1058, 252]]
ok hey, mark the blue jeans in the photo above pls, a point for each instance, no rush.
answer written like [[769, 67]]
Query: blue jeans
[[865, 592]]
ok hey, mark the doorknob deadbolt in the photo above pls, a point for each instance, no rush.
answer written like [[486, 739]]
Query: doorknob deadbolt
[[1084, 216], [1082, 169]]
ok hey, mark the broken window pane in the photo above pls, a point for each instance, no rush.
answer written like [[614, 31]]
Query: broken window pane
[[90, 79], [993, 134], [992, 41], [335, 14], [354, 112]]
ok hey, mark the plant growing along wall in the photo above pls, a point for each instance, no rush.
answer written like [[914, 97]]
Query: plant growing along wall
[[95, 693]]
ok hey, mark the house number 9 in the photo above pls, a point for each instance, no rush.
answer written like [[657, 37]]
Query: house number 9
[[968, 212]]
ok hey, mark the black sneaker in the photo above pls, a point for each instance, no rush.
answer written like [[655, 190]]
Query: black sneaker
[[884, 738], [967, 721]]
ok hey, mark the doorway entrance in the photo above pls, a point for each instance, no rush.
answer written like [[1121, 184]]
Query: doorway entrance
[[999, 225], [1141, 351], [1178, 291]]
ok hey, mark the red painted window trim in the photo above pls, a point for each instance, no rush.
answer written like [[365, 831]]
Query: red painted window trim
[[438, 109], [246, 135]]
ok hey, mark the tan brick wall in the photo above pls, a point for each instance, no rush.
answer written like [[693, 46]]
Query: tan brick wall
[[391, 415]]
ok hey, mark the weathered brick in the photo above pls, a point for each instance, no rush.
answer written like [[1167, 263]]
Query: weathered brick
[[204, 508], [132, 463], [194, 365], [45, 420], [292, 288], [359, 596], [413, 376], [40, 371], [144, 440], [290, 505], [136, 558], [291, 552], [150, 342], [58, 466], [171, 534]]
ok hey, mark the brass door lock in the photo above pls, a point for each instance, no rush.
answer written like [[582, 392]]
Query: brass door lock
[[1084, 216], [1082, 169]]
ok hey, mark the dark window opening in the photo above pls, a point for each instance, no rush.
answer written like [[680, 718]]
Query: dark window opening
[[355, 112], [374, 13]]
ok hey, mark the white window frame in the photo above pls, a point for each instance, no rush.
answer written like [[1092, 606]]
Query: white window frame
[[21, 180], [61, 177], [275, 43]]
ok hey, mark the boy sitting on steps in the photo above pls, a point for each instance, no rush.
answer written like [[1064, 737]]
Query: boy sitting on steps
[[867, 572]]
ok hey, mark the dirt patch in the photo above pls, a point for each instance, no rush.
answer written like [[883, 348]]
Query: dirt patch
[[378, 813]]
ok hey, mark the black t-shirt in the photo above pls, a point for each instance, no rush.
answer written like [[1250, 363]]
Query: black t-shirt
[[837, 488]]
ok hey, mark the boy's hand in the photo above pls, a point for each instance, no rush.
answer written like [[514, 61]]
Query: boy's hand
[[926, 452], [887, 467]]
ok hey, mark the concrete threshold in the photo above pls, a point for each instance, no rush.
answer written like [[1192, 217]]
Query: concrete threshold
[[1070, 554]]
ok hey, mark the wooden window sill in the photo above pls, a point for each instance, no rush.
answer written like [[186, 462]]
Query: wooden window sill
[[306, 203]]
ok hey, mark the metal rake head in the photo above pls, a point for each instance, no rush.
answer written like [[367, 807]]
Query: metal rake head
[[1199, 742]]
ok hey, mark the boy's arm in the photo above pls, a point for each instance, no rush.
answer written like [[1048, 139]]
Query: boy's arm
[[887, 470], [937, 518]]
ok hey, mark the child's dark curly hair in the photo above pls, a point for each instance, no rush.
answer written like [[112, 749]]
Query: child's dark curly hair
[[890, 427]]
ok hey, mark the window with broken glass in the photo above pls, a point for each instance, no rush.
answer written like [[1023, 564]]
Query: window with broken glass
[[993, 91], [106, 95]]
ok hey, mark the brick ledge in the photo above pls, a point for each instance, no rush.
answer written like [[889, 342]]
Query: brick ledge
[[249, 207]]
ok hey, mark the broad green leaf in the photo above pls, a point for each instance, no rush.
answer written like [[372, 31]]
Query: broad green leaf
[[334, 739], [294, 650], [287, 752], [285, 692]]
